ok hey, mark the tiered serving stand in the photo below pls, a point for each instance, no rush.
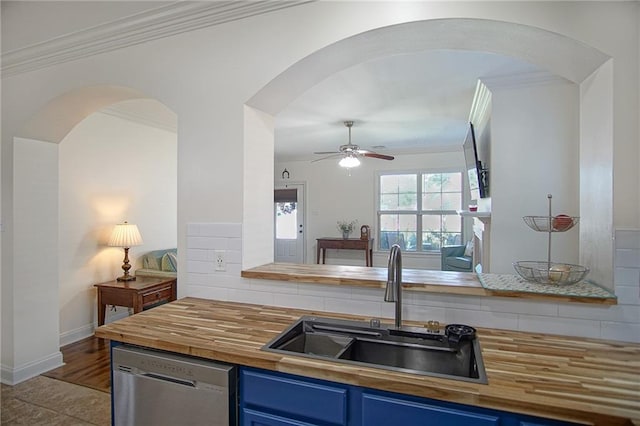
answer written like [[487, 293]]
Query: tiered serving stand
[[550, 272]]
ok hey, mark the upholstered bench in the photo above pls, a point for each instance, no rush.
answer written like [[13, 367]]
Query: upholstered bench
[[159, 263]]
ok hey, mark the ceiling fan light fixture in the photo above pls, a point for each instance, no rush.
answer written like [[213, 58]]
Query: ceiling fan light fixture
[[349, 161]]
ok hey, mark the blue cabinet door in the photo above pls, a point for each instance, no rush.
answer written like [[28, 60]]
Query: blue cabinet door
[[384, 411], [294, 397], [257, 418]]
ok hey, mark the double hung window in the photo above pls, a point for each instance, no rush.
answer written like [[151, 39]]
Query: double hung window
[[417, 210]]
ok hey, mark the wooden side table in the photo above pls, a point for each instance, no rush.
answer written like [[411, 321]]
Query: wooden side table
[[138, 294], [345, 244]]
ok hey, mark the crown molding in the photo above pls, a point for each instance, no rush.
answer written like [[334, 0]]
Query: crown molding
[[153, 24], [536, 78], [144, 120]]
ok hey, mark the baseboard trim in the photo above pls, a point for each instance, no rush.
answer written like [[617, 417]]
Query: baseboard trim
[[13, 376], [77, 334], [87, 330]]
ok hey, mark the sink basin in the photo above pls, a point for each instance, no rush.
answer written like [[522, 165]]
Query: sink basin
[[416, 351]]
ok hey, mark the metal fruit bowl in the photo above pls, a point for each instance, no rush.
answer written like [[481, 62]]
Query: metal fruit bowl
[[551, 223], [550, 272]]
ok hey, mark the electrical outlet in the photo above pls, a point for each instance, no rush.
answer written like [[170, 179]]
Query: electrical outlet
[[221, 260]]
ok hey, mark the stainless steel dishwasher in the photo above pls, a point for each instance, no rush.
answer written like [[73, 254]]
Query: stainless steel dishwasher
[[160, 388]]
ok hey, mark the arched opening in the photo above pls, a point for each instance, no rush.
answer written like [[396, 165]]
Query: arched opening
[[90, 158], [572, 60]]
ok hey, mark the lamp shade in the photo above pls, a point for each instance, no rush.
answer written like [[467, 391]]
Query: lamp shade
[[125, 235]]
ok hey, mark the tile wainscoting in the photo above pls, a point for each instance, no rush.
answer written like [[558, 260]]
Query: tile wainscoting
[[619, 322]]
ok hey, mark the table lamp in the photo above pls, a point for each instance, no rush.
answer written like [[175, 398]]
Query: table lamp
[[125, 235]]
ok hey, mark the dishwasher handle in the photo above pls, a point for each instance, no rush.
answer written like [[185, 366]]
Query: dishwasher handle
[[170, 379]]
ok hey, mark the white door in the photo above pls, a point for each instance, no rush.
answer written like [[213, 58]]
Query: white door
[[289, 223]]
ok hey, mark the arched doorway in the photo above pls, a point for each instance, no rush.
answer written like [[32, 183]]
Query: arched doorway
[[583, 65], [61, 253]]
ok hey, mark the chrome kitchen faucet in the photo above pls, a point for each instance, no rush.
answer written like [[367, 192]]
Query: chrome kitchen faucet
[[393, 292]]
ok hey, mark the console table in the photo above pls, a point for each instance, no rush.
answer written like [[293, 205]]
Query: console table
[[345, 244], [139, 294]]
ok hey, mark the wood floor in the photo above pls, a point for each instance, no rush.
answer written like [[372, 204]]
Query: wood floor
[[86, 364]]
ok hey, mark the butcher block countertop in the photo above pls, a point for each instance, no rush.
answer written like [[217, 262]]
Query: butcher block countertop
[[574, 379], [432, 281]]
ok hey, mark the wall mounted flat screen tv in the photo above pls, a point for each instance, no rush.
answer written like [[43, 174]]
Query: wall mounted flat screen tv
[[476, 174]]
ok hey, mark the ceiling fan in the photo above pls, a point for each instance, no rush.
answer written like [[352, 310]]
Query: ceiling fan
[[351, 152]]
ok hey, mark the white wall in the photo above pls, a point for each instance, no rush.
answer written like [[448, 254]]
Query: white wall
[[535, 152], [596, 125], [35, 262], [111, 170], [206, 77], [332, 195]]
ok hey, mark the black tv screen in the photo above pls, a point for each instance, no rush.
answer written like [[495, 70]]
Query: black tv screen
[[476, 175]]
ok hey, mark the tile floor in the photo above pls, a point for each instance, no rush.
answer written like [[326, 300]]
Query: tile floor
[[46, 401]]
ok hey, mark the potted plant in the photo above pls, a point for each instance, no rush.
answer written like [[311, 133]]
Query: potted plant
[[346, 227]]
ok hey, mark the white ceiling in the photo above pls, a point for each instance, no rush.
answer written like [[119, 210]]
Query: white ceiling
[[400, 104]]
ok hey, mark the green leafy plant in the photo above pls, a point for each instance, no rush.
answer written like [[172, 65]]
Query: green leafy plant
[[347, 227]]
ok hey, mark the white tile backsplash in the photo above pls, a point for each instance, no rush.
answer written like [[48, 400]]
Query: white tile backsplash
[[627, 258], [617, 313], [556, 325], [482, 318], [620, 331], [515, 306], [620, 322], [325, 291], [274, 286], [628, 295], [314, 303], [364, 293], [350, 306], [627, 239], [419, 313], [251, 296], [626, 276], [209, 292]]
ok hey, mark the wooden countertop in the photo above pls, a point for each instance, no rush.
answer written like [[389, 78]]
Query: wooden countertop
[[574, 379], [431, 281]]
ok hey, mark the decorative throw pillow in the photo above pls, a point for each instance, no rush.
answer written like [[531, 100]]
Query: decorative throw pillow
[[468, 250], [150, 262], [169, 262]]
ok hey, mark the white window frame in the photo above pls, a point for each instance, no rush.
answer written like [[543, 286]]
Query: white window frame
[[419, 212]]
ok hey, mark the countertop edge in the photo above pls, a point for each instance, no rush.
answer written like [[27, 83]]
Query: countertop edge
[[371, 278]]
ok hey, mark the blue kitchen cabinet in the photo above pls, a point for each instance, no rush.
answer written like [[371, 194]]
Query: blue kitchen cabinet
[[291, 398], [257, 418], [384, 411], [270, 398]]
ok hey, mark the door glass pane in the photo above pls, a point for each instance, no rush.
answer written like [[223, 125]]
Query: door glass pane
[[286, 221]]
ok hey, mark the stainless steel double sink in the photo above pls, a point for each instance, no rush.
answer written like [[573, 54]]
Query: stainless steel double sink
[[453, 354]]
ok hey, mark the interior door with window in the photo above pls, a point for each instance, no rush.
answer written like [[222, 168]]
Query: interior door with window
[[289, 224]]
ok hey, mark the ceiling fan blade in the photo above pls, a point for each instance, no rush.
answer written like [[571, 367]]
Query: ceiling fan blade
[[333, 155], [327, 152], [379, 156]]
